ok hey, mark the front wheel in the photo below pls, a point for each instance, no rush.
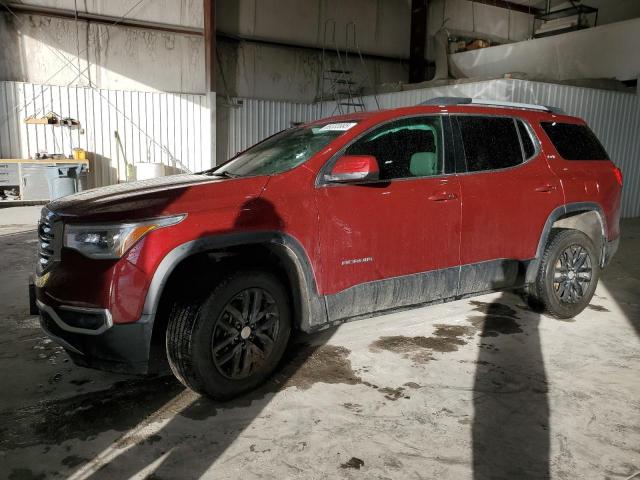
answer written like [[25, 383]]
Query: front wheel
[[233, 340], [568, 274]]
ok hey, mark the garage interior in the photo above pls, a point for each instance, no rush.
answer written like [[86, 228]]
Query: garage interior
[[98, 93]]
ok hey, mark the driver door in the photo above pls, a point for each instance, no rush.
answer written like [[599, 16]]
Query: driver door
[[393, 242]]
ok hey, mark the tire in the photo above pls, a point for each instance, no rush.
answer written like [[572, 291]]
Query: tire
[[207, 351], [569, 256]]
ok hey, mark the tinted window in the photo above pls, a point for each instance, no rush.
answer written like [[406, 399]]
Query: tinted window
[[527, 143], [575, 142], [404, 148], [489, 143]]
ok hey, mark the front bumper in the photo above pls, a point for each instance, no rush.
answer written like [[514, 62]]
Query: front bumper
[[121, 348]]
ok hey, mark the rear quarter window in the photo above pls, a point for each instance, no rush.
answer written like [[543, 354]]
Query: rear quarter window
[[574, 142]]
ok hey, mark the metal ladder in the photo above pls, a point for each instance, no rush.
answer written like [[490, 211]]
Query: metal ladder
[[337, 82]]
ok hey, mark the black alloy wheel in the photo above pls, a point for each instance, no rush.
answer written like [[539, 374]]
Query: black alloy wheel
[[230, 341], [572, 274], [244, 333], [567, 274]]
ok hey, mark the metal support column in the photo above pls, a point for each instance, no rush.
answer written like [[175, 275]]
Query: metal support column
[[418, 41], [210, 68]]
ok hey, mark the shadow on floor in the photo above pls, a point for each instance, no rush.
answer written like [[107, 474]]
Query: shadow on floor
[[202, 449], [114, 423], [510, 430]]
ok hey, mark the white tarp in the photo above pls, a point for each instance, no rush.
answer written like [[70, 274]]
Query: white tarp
[[601, 52]]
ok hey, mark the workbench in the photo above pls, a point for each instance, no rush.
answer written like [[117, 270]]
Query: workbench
[[30, 175]]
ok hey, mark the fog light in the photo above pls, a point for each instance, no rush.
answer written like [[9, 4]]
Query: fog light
[[81, 319]]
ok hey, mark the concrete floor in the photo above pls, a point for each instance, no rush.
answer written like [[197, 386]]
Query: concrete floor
[[18, 219], [482, 388]]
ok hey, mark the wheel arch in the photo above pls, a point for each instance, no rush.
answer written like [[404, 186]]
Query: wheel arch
[[587, 217], [308, 307]]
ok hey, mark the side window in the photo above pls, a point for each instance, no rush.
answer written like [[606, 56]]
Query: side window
[[404, 148], [527, 143], [574, 142], [490, 143]]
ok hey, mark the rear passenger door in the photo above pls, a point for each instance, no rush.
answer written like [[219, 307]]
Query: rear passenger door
[[508, 192]]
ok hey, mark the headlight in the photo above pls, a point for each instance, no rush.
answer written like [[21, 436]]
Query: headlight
[[114, 239]]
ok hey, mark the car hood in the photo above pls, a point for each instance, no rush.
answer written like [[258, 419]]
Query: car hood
[[157, 197]]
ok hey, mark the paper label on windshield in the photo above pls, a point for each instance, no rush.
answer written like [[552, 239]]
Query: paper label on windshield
[[341, 127]]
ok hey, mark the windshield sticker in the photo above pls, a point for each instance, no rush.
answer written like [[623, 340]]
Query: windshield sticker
[[341, 127]]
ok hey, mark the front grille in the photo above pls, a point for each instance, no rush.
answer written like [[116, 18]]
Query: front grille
[[45, 249], [49, 240]]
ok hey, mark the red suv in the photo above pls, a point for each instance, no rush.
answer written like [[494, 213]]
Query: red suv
[[323, 223]]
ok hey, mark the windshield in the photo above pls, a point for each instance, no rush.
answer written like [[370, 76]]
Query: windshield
[[283, 151]]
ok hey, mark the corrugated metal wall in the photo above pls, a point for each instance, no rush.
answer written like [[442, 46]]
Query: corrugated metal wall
[[248, 121], [172, 129], [614, 116]]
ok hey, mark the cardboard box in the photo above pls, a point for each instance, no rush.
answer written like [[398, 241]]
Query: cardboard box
[[479, 43]]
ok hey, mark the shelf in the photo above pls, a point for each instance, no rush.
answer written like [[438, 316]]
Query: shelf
[[559, 31], [567, 12]]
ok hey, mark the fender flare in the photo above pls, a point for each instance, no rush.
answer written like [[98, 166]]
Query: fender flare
[[308, 304], [556, 214]]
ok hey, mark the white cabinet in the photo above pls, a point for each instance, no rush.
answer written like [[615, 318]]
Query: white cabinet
[[9, 174]]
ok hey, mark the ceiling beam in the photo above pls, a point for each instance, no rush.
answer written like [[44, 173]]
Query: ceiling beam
[[97, 18], [516, 7]]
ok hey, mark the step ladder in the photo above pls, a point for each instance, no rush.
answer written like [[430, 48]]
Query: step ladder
[[338, 81]]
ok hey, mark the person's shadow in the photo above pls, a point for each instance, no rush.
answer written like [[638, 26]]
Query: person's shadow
[[511, 410], [192, 448]]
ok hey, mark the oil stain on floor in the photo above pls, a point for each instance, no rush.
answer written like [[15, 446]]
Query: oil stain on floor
[[446, 338], [353, 462], [496, 319], [310, 364], [393, 394]]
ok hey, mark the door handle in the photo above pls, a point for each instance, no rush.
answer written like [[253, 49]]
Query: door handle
[[442, 197], [546, 188]]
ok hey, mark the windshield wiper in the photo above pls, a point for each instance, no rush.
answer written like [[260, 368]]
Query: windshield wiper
[[223, 174]]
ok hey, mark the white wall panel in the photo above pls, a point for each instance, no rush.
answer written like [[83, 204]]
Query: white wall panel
[[172, 129], [250, 121]]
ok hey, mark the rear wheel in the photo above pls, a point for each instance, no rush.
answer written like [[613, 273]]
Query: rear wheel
[[567, 276], [233, 340]]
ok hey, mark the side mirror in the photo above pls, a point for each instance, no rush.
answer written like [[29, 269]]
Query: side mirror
[[354, 168]]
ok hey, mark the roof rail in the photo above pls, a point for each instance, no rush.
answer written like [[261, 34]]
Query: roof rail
[[493, 103]]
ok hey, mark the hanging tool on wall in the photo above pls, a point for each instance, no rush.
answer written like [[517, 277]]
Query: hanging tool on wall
[[52, 118], [130, 170]]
